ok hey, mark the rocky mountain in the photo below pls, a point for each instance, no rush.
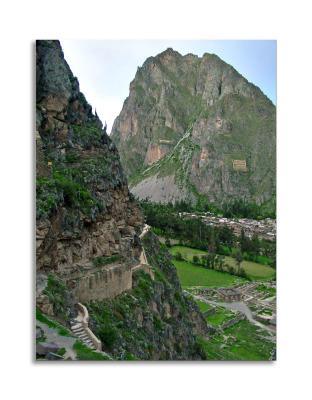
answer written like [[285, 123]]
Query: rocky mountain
[[88, 233], [194, 128]]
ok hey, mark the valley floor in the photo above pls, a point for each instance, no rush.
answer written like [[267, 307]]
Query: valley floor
[[255, 271], [243, 329]]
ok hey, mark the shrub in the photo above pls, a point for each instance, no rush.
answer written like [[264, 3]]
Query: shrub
[[61, 188], [84, 353], [195, 260], [56, 291], [167, 242], [61, 351], [230, 269], [100, 261], [242, 273], [108, 335], [224, 250], [178, 256]]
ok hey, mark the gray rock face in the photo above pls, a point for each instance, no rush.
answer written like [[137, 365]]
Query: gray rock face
[[229, 152], [44, 348], [83, 201], [159, 190], [39, 332]]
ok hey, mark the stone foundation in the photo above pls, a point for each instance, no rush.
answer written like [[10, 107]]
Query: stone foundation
[[107, 282]]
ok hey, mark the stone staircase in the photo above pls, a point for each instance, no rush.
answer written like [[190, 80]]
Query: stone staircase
[[80, 328], [79, 325]]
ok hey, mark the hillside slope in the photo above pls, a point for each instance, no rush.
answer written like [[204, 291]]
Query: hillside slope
[[88, 227], [192, 127]]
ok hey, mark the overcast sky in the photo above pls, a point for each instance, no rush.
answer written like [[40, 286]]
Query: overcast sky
[[105, 68]]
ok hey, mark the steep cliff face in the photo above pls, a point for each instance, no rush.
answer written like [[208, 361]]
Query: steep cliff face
[[85, 212], [194, 126], [88, 223]]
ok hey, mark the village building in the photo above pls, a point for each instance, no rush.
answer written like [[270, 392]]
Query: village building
[[229, 295]]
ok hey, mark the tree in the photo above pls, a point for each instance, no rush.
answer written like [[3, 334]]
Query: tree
[[195, 260], [242, 273], [178, 256], [230, 269], [167, 242], [239, 259], [220, 262]]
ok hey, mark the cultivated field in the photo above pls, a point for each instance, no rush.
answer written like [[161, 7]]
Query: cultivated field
[[193, 275], [254, 270]]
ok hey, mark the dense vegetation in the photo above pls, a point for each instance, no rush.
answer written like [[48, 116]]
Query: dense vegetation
[[216, 240], [233, 209], [232, 265], [242, 341], [58, 296], [75, 177], [144, 322]]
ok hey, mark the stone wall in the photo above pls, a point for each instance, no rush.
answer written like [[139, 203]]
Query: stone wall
[[107, 282]]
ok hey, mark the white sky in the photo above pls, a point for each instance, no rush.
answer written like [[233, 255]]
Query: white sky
[[105, 68]]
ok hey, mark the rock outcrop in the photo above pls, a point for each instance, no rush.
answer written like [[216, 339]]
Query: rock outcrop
[[196, 122], [88, 223], [85, 213]]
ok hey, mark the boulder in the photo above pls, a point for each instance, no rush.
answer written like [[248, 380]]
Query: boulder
[[39, 332], [43, 348]]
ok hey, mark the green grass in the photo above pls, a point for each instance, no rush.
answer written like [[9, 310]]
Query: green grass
[[61, 351], [203, 306], [192, 275], [56, 290], [253, 270], [244, 343], [101, 261], [187, 252], [221, 315], [84, 353], [269, 291], [52, 324]]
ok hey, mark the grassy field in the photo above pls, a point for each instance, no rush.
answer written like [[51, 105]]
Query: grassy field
[[222, 315], [192, 275], [254, 270], [187, 252], [203, 306], [242, 341]]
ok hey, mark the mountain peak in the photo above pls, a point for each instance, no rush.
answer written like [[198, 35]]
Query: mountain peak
[[231, 123]]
